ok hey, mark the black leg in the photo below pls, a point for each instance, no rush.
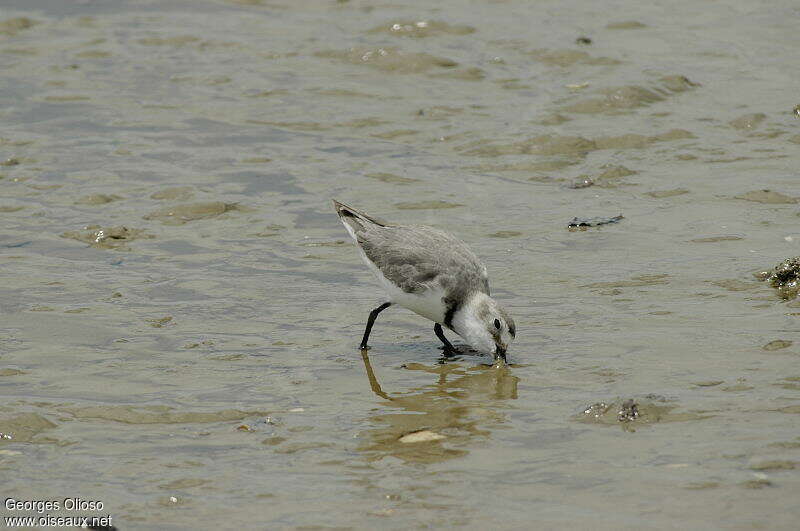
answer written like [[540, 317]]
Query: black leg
[[371, 321], [440, 334]]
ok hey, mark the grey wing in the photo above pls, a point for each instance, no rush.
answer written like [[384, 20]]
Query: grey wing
[[418, 258]]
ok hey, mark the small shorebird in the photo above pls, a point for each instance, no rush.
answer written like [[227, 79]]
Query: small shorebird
[[433, 274]]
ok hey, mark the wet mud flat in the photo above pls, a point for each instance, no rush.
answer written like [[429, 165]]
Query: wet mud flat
[[180, 308]]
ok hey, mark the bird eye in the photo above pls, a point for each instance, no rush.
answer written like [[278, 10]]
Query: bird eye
[[497, 323]]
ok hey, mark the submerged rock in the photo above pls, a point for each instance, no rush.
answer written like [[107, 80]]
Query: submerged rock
[[582, 181], [393, 60], [628, 411], [12, 26], [661, 194], [176, 192], [24, 427], [613, 176], [621, 99], [108, 237], [98, 199], [785, 277], [748, 121], [505, 234], [389, 59], [775, 465], [777, 344], [180, 214], [422, 28], [565, 58], [625, 25], [426, 205], [632, 412], [767, 196], [136, 414]]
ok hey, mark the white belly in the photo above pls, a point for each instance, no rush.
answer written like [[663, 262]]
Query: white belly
[[428, 304]]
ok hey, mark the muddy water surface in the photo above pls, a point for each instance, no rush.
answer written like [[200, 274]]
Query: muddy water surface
[[180, 308]]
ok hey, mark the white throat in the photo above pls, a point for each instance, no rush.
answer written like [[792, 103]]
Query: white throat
[[468, 324]]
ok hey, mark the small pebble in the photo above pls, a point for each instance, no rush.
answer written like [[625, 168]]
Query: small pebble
[[421, 436]]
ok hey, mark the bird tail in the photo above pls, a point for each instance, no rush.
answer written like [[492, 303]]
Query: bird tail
[[353, 220]]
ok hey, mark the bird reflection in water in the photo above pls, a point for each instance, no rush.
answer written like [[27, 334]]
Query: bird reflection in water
[[437, 421]]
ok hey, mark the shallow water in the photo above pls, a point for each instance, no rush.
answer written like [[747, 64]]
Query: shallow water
[[180, 307]]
